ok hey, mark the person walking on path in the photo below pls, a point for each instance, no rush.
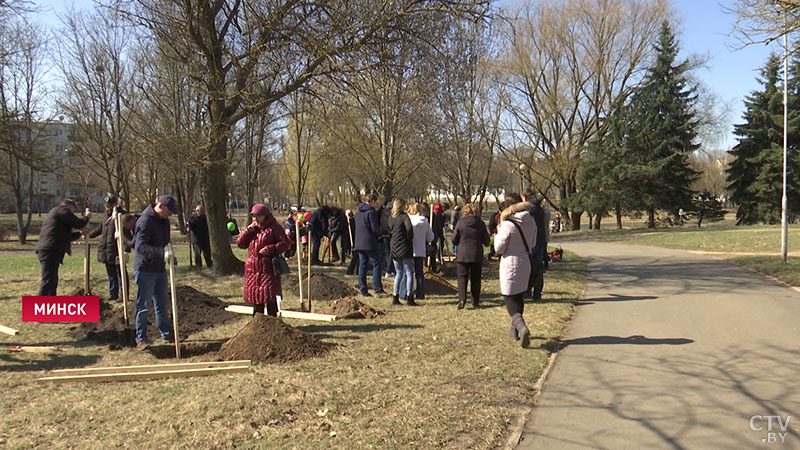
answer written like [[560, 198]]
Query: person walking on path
[[517, 228], [107, 251], [368, 244], [199, 237], [264, 239], [469, 238], [423, 235], [151, 239], [402, 238], [539, 246], [55, 240]]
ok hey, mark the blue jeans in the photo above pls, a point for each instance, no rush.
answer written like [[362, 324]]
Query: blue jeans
[[366, 257], [404, 277], [419, 262], [113, 280], [50, 259], [152, 289], [387, 256], [315, 243]]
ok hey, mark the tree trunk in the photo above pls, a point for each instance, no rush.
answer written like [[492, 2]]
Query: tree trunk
[[214, 193], [591, 221], [597, 218], [575, 217], [651, 218], [619, 217]]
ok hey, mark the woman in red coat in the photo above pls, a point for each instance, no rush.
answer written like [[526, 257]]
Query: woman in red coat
[[264, 239]]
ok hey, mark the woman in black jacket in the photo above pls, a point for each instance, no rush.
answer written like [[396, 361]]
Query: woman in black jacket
[[470, 236], [402, 251]]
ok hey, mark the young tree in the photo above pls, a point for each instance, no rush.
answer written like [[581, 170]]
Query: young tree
[[662, 131], [248, 55]]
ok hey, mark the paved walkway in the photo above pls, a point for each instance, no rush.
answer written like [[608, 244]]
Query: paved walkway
[[672, 350]]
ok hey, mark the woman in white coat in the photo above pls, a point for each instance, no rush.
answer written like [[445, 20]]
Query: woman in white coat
[[423, 234], [515, 263]]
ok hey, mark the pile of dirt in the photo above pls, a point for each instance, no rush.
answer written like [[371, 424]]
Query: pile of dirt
[[269, 339], [323, 287], [350, 308], [197, 311], [436, 284]]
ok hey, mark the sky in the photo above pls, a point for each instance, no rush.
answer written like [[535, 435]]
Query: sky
[[704, 30]]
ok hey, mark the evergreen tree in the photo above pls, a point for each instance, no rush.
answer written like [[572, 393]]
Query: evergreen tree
[[662, 131], [755, 175]]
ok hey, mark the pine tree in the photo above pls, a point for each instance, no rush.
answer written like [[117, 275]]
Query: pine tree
[[755, 175], [662, 132]]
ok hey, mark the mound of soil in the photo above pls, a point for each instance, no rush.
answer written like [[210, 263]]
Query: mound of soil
[[197, 311], [350, 308], [269, 339], [323, 287], [436, 284]]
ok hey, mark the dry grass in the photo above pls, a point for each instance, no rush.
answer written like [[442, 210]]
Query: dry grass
[[426, 377]]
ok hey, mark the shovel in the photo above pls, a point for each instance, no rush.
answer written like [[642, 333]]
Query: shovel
[[171, 265]]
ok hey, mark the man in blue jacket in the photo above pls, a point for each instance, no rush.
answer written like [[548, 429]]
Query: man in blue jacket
[[55, 240], [151, 237], [368, 245]]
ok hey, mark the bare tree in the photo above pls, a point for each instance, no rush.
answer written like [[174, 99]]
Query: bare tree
[[99, 92], [23, 133], [566, 65], [250, 55], [763, 21]]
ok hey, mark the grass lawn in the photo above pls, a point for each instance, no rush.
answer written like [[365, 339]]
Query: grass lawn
[[426, 377], [756, 247]]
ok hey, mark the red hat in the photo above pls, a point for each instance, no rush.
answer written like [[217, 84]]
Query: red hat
[[259, 209], [437, 208]]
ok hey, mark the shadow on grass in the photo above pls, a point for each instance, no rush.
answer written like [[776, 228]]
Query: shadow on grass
[[365, 328], [22, 362]]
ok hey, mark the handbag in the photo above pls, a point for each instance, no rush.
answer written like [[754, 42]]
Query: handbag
[[279, 265], [535, 268]]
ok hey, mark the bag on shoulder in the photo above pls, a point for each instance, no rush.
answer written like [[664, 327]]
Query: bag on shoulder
[[279, 265], [535, 267]]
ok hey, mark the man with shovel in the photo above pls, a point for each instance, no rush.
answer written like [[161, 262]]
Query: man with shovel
[[151, 239]]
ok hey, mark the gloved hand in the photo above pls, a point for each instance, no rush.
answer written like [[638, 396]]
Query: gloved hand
[[168, 254]]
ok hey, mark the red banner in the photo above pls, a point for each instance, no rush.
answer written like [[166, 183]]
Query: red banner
[[60, 308]]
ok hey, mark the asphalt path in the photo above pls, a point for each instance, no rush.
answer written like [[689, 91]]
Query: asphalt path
[[675, 350]]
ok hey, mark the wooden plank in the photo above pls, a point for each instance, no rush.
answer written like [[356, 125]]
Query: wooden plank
[[307, 316], [150, 368], [34, 349], [129, 376], [8, 330], [240, 309], [286, 314]]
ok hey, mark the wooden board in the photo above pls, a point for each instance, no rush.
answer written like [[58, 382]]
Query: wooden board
[[150, 368], [129, 376], [8, 330], [286, 314]]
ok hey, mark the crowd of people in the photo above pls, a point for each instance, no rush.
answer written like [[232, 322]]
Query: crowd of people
[[394, 239]]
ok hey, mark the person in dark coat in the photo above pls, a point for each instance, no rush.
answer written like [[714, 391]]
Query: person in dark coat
[[291, 231], [151, 239], [385, 213], [469, 237], [540, 247], [318, 228], [402, 235], [264, 239], [55, 240], [338, 231], [439, 221], [107, 252], [352, 268], [368, 244], [199, 236]]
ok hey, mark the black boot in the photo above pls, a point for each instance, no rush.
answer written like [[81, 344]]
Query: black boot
[[410, 300], [461, 304], [512, 333], [522, 330], [475, 302], [396, 300]]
